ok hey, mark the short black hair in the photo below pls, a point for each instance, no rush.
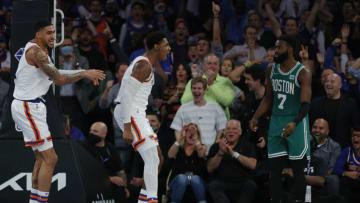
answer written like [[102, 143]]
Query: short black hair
[[257, 72], [292, 41], [156, 113], [154, 38], [41, 24]]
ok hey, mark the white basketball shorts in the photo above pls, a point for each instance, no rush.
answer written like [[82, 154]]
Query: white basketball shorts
[[144, 136], [30, 118]]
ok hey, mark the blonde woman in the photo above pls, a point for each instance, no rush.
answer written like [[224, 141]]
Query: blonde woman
[[189, 164]]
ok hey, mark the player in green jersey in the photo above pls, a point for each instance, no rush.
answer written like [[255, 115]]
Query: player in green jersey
[[288, 93]]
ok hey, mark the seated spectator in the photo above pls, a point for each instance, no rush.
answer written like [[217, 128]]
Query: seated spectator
[[326, 151], [231, 163], [347, 167], [188, 156], [107, 154], [207, 115], [249, 51], [340, 111], [71, 131], [220, 89]]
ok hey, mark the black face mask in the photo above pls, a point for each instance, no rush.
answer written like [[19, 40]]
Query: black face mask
[[281, 57], [93, 139]]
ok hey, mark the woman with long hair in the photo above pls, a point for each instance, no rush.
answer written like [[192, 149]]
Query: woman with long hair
[[181, 74], [189, 165]]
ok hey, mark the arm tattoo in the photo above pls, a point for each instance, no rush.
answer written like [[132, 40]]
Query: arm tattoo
[[42, 61], [50, 70]]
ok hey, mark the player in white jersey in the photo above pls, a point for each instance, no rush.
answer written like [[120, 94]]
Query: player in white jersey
[[130, 112], [34, 76]]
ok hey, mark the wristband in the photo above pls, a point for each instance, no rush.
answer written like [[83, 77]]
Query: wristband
[[197, 143], [220, 153], [177, 143], [236, 155]]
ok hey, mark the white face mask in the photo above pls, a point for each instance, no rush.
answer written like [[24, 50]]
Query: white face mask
[[67, 50]]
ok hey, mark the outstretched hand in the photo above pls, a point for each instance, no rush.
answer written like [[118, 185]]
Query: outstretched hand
[[95, 75]]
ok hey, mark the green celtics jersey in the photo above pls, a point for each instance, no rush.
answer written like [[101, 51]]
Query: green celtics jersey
[[286, 90]]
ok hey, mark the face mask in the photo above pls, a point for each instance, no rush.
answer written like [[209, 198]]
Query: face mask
[[66, 50], [93, 139], [281, 57]]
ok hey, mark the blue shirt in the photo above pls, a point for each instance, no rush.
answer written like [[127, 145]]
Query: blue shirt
[[349, 160]]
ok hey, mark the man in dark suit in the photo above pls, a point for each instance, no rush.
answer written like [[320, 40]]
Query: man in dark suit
[[341, 112]]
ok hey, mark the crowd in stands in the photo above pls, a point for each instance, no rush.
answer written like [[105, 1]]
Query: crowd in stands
[[207, 90]]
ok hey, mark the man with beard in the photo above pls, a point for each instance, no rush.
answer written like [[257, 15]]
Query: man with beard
[[95, 58], [288, 93], [325, 152]]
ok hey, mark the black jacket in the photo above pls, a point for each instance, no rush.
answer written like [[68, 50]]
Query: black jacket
[[347, 117]]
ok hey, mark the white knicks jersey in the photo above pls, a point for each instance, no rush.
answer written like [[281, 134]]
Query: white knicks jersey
[[30, 82], [142, 95]]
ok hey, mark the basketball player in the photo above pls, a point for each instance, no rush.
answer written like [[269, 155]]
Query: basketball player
[[34, 76], [288, 91], [130, 112]]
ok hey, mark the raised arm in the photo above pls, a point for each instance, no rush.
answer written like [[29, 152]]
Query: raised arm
[[216, 24], [275, 25], [313, 13], [37, 57]]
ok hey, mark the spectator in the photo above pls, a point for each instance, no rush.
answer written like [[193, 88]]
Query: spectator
[[220, 89], [255, 81], [347, 167], [249, 51], [207, 115], [231, 163], [181, 74], [179, 45], [188, 156], [326, 151], [97, 24], [96, 59], [340, 111], [133, 27], [75, 98], [112, 17], [265, 36], [106, 153]]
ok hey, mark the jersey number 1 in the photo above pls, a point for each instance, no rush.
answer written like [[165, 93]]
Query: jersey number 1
[[283, 98]]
